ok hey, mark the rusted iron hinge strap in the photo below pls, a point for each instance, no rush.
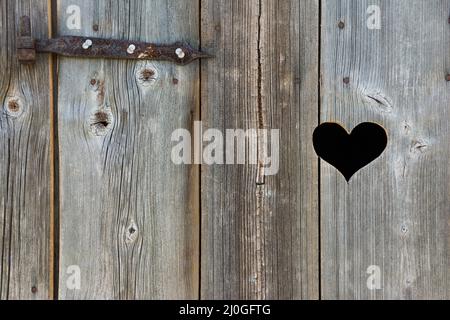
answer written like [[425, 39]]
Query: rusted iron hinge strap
[[85, 47]]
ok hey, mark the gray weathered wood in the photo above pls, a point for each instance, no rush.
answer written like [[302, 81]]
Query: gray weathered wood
[[261, 241], [25, 168], [395, 213], [129, 216]]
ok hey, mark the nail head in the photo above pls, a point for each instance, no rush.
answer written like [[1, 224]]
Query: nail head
[[87, 44], [131, 49], [180, 53]]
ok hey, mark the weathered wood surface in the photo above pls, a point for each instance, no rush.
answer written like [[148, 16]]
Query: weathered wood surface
[[129, 216], [25, 172], [395, 213], [261, 242], [131, 219]]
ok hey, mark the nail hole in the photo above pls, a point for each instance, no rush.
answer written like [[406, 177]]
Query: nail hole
[[175, 81], [406, 127], [346, 80], [95, 27], [341, 25], [34, 290], [349, 153], [93, 82]]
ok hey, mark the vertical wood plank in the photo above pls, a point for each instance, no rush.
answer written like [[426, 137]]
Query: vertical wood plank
[[129, 216], [25, 172], [261, 242], [393, 214]]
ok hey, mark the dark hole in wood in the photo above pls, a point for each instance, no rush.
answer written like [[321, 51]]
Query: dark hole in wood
[[349, 153], [132, 230]]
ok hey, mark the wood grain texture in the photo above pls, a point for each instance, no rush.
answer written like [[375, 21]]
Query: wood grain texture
[[25, 173], [129, 216], [261, 242], [393, 214]]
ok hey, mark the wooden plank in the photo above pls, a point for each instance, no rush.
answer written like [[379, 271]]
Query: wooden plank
[[25, 171], [129, 216], [393, 214], [261, 242]]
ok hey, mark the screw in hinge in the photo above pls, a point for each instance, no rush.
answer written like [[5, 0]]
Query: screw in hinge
[[87, 44], [180, 53], [131, 49]]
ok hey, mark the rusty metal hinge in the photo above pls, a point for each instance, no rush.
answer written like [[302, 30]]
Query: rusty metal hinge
[[86, 47]]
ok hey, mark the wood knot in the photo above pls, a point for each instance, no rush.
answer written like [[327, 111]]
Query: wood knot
[[404, 229], [419, 146], [14, 107], [380, 102], [101, 122], [131, 233], [147, 75]]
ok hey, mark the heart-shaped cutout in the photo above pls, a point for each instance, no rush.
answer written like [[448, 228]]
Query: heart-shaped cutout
[[349, 153]]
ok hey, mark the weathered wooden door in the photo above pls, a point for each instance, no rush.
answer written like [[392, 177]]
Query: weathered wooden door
[[93, 207]]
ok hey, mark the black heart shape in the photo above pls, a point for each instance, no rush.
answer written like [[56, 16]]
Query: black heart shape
[[349, 153]]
